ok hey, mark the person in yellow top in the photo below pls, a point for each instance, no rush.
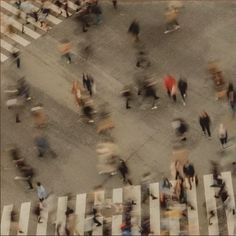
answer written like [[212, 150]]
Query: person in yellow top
[[171, 20], [65, 48]]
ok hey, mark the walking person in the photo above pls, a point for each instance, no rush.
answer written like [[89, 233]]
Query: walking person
[[88, 83], [114, 2], [127, 94], [134, 30], [65, 49], [66, 7], [223, 135], [38, 211], [124, 171], [231, 95], [28, 174], [145, 183], [189, 172], [205, 122], [16, 55], [41, 192], [171, 20], [170, 85], [182, 86], [150, 91]]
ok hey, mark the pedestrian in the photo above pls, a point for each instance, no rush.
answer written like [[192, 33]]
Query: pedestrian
[[231, 95], [205, 122], [142, 60], [223, 135], [150, 91], [16, 56], [171, 20], [88, 83], [96, 9], [28, 174], [59, 4], [83, 16], [65, 48], [23, 89], [181, 127], [170, 85], [145, 190], [127, 94], [134, 30], [43, 146], [41, 192], [114, 2], [38, 210], [39, 116], [182, 86], [66, 7], [14, 217], [87, 108], [124, 171], [189, 172]]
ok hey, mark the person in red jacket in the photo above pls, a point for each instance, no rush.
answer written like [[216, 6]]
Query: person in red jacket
[[170, 85]]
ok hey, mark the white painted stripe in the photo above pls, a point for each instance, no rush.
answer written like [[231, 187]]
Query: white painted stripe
[[16, 38], [135, 192], [193, 214], [174, 223], [7, 46], [231, 219], [80, 212], [3, 57], [211, 204], [61, 209], [24, 218], [99, 197], [72, 5], [27, 30], [155, 223], [54, 8], [15, 11], [42, 227], [117, 198], [6, 220]]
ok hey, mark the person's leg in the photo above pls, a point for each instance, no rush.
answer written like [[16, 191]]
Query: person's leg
[[114, 4], [189, 181], [18, 62], [208, 130], [96, 221], [174, 97], [17, 118], [168, 93], [29, 181], [127, 103], [203, 128]]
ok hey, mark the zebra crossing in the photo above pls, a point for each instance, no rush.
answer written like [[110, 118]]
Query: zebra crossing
[[119, 196], [9, 11]]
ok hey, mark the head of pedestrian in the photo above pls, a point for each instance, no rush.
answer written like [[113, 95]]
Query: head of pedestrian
[[38, 184]]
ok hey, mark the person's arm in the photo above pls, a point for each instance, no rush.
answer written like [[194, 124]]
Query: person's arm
[[84, 81]]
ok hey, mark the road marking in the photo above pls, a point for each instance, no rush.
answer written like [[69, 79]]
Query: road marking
[[16, 38], [155, 209], [99, 201], [3, 57], [211, 204], [24, 218], [117, 198], [7, 46], [18, 26], [231, 219], [80, 212], [61, 209], [6, 220]]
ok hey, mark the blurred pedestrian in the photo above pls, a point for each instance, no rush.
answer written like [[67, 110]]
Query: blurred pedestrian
[[41, 192], [231, 95], [170, 85], [96, 9], [39, 116], [124, 171], [189, 172], [150, 91], [14, 226], [127, 94], [88, 110], [65, 49], [16, 56], [223, 135], [134, 30], [66, 7], [23, 89], [38, 211], [28, 174], [145, 190], [205, 122], [114, 2], [171, 20], [88, 83], [76, 90], [43, 146], [142, 60], [181, 128], [182, 86]]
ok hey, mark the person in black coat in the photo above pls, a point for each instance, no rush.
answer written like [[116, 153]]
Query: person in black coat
[[88, 83], [134, 29], [189, 171], [204, 121], [182, 86]]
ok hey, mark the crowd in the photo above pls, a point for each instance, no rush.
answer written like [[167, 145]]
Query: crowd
[[109, 157]]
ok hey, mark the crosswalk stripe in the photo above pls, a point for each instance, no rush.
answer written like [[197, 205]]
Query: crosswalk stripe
[[193, 214], [231, 220], [155, 209], [72, 5], [135, 192], [42, 227], [80, 212], [24, 218], [61, 209], [7, 46], [211, 204], [15, 11], [6, 220], [55, 8], [3, 57], [117, 198], [16, 38], [99, 201], [27, 30]]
